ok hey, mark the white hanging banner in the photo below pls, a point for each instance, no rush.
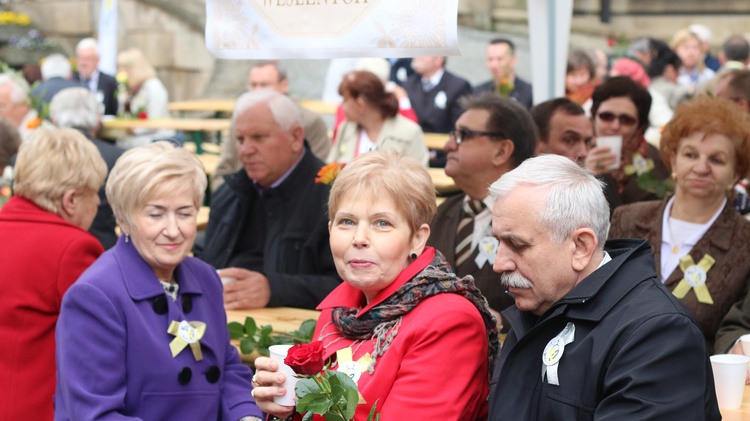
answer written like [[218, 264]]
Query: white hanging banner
[[282, 29], [108, 37]]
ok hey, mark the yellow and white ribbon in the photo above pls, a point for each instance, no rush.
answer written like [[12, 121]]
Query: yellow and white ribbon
[[695, 278], [353, 369], [639, 166], [187, 333]]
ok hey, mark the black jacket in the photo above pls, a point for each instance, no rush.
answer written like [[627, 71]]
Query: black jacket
[[637, 352], [107, 85], [521, 91], [297, 257], [437, 109]]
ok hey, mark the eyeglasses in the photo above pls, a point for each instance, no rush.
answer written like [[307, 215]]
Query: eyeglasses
[[625, 120], [461, 135]]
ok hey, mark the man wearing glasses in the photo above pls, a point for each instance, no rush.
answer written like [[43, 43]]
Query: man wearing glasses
[[491, 137], [620, 109]]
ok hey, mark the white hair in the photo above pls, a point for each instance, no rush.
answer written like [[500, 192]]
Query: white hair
[[19, 88], [701, 31], [87, 43], [285, 111], [575, 198], [56, 65], [76, 108]]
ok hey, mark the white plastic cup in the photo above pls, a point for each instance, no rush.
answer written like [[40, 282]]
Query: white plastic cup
[[729, 379], [745, 342], [225, 280], [278, 353], [614, 143]]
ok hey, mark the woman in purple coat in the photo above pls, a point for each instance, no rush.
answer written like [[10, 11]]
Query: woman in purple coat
[[142, 333]]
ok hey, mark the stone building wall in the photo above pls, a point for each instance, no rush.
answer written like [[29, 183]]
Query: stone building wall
[[173, 42]]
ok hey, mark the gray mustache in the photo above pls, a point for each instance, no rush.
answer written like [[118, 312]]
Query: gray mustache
[[514, 280]]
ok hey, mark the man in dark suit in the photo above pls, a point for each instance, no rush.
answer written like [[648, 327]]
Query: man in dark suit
[[79, 109], [434, 94], [501, 62], [101, 84], [493, 136], [56, 75]]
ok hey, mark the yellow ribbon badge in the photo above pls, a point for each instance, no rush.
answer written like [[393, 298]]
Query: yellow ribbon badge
[[187, 333], [639, 166], [695, 278], [353, 369]]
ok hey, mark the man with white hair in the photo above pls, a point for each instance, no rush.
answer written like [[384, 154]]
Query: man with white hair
[[15, 104], [704, 35], [268, 228], [270, 75], [78, 108], [56, 76], [101, 84], [595, 334]]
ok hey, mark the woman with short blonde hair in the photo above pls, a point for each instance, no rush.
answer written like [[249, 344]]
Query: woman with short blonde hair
[[149, 318], [693, 71], [50, 164], [400, 306], [44, 248]]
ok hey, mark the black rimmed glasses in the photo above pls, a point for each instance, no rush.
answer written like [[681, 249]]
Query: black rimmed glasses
[[461, 135], [625, 120]]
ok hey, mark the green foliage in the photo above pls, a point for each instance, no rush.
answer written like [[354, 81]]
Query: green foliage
[[649, 183], [254, 338]]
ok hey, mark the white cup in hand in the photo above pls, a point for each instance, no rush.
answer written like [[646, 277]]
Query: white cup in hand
[[730, 371], [278, 353], [614, 143]]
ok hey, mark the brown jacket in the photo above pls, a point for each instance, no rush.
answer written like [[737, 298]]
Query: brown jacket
[[727, 241]]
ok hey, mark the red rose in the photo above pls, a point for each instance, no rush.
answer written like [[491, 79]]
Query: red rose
[[143, 115], [306, 358], [610, 42]]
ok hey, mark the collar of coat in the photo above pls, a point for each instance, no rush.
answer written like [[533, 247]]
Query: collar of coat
[[141, 281]]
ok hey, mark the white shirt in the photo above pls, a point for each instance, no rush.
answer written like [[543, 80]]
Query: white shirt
[[689, 232], [482, 221]]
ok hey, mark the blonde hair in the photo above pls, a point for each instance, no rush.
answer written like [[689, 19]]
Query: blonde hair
[[682, 36], [150, 170], [135, 63], [54, 161], [379, 173]]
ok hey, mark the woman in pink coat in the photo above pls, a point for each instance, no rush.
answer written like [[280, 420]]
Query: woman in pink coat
[[430, 335], [44, 247]]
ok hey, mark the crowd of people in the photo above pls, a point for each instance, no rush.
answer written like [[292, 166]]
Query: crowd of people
[[600, 234]]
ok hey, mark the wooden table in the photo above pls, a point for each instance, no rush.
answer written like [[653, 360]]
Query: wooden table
[[193, 126], [282, 319], [443, 184], [742, 414], [436, 140], [227, 106], [193, 105]]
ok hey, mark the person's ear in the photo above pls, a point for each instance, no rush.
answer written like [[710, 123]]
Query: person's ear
[[284, 86], [419, 239], [502, 152], [69, 202], [585, 244], [298, 137]]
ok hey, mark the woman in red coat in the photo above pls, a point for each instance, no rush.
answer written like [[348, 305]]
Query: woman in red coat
[[44, 247], [429, 334]]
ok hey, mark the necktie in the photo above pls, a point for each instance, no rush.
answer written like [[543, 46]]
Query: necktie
[[427, 85], [465, 233]]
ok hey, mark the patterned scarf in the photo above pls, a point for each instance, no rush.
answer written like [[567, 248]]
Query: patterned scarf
[[383, 320]]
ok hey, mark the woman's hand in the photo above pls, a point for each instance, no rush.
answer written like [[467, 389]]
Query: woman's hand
[[737, 349], [600, 159], [268, 383]]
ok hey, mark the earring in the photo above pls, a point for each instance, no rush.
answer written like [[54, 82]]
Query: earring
[[674, 175], [127, 238], [413, 256]]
